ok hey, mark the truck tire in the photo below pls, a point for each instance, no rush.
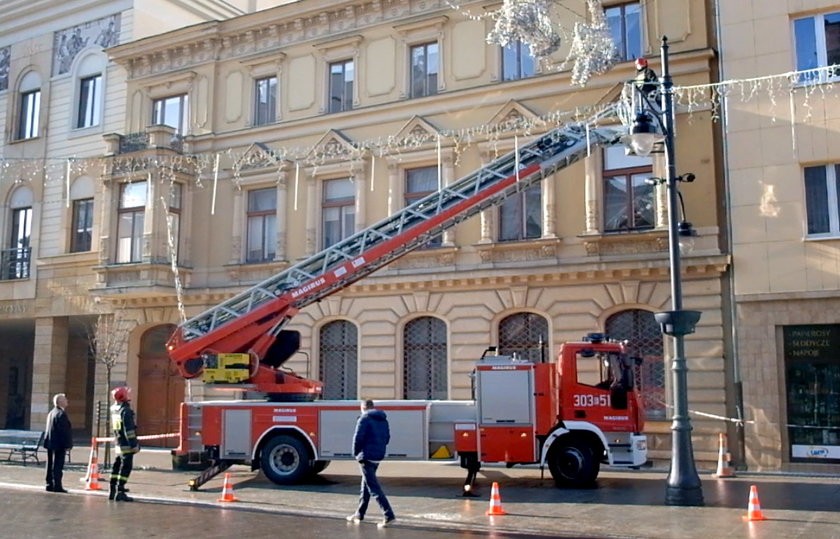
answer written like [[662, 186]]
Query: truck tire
[[285, 460], [572, 463], [318, 466]]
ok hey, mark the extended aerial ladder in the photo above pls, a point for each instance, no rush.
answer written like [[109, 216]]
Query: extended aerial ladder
[[242, 341]]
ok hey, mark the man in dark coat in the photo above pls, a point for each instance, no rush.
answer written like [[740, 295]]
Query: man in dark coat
[[58, 439], [369, 441]]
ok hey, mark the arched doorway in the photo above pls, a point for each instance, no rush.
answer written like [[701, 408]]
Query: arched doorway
[[161, 388]]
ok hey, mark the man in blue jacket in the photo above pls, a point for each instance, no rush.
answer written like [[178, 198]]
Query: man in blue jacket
[[369, 441]]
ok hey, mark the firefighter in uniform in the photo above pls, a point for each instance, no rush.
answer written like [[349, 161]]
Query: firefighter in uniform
[[125, 437]]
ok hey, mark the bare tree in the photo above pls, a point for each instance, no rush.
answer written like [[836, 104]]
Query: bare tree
[[107, 338]]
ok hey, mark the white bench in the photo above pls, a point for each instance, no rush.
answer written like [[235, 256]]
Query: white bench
[[22, 443]]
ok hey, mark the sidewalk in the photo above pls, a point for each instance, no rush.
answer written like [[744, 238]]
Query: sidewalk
[[427, 494]]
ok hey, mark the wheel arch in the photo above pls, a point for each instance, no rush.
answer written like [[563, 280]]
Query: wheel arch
[[575, 428], [278, 430]]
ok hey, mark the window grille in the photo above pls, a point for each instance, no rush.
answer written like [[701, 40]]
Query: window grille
[[339, 360], [424, 363]]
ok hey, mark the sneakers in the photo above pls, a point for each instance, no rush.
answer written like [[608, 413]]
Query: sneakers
[[355, 518], [387, 522]]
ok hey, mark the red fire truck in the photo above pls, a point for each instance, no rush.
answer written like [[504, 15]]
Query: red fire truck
[[571, 415]]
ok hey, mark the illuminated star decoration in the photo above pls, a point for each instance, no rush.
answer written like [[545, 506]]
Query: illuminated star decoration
[[526, 21], [592, 48]]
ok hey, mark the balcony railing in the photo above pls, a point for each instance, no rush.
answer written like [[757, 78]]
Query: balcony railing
[[15, 263]]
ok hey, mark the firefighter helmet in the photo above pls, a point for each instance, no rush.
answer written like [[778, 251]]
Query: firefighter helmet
[[121, 394]]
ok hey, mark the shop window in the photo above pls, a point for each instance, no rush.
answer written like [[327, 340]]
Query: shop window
[[812, 371]]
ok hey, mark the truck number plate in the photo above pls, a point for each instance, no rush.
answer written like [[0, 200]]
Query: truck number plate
[[583, 401]]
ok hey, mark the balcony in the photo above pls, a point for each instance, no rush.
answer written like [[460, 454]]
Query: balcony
[[15, 263]]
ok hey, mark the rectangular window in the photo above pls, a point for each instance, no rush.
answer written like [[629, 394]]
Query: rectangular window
[[16, 259], [30, 114], [517, 61], [419, 183], [89, 94], [265, 100], [625, 26], [812, 372], [821, 200], [82, 225], [628, 198], [339, 210], [172, 111], [817, 43], [262, 225], [173, 224], [424, 69], [131, 215], [342, 75], [520, 215]]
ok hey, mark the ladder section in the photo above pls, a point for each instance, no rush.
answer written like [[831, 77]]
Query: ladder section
[[277, 298]]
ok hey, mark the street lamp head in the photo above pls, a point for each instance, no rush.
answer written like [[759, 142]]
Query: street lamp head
[[686, 235], [643, 135]]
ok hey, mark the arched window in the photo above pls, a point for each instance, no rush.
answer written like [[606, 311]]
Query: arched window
[[16, 257], [89, 91], [29, 111], [424, 362], [524, 335], [81, 224], [645, 337], [339, 362]]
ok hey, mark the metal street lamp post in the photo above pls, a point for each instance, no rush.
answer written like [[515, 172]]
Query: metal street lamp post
[[683, 484]]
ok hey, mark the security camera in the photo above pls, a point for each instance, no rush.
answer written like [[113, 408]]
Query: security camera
[[688, 177]]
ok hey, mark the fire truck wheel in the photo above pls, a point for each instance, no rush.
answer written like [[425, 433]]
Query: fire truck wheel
[[285, 460], [318, 466], [572, 463]]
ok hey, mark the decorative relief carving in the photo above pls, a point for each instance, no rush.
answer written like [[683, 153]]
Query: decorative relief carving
[[67, 44], [624, 244]]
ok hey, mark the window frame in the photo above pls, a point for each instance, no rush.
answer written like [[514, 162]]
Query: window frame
[[347, 93], [342, 204], [623, 47], [159, 107], [410, 197], [522, 201], [265, 114], [522, 50], [29, 120], [629, 173], [430, 88], [830, 199], [89, 103], [268, 237], [819, 44], [138, 220], [80, 243]]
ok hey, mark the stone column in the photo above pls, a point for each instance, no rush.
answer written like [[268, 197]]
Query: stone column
[[49, 367]]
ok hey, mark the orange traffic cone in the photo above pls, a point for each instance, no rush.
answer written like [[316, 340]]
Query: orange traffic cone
[[227, 491], [495, 502], [754, 508], [92, 482], [724, 467]]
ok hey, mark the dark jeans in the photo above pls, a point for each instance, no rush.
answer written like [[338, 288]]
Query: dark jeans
[[55, 467], [122, 468], [370, 487]]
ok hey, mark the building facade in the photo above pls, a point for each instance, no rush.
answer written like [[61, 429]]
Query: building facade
[[783, 198], [253, 143], [59, 94]]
